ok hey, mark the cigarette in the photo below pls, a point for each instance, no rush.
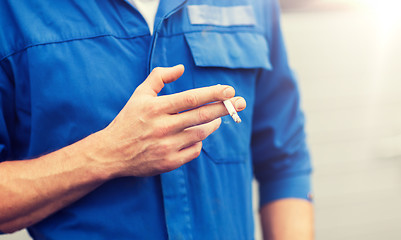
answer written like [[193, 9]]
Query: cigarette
[[231, 110]]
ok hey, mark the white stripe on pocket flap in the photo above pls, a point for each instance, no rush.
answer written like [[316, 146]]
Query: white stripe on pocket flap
[[221, 16]]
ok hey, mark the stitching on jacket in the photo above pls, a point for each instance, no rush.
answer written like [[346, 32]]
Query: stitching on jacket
[[67, 40]]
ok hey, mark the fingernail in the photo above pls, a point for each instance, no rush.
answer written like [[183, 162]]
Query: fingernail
[[240, 104], [229, 92]]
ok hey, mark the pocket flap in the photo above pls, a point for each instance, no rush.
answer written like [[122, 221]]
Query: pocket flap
[[229, 49]]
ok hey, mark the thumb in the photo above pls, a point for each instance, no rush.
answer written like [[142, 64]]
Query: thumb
[[158, 77]]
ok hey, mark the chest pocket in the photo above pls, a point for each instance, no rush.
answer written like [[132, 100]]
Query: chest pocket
[[235, 59]]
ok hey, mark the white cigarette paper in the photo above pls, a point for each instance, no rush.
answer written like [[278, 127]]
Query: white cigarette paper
[[231, 110]]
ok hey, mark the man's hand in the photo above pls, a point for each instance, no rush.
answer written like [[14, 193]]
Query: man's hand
[[150, 135], [156, 134]]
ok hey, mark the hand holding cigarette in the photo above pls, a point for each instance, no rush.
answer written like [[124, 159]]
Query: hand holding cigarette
[[231, 110], [155, 134]]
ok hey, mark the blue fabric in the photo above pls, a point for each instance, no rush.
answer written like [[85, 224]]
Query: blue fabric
[[67, 68], [241, 54]]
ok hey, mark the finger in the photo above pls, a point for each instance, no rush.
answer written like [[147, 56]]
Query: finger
[[195, 134], [205, 113], [159, 76], [195, 97], [188, 154]]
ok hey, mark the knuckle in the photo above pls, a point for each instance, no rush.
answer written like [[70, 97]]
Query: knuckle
[[191, 100], [167, 105], [203, 115], [157, 70], [162, 167], [168, 164], [153, 109], [157, 73], [201, 134], [164, 149], [162, 130], [217, 93], [159, 149]]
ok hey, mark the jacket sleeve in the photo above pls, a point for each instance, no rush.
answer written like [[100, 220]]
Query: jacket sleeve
[[7, 114], [280, 155]]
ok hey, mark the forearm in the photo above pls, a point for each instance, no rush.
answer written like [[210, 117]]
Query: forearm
[[33, 189], [290, 219], [151, 135]]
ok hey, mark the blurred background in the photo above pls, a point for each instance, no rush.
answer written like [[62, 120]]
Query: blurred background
[[347, 56]]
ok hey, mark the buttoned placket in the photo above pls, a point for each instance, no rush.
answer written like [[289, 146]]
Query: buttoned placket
[[174, 186]]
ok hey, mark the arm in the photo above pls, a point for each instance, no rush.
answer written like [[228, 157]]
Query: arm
[[34, 189], [290, 219], [150, 135], [281, 157]]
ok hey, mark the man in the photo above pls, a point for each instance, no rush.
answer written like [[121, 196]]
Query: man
[[91, 150]]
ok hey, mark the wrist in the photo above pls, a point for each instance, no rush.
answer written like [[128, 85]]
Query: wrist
[[98, 158]]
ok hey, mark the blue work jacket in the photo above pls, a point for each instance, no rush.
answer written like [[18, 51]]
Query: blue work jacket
[[67, 67]]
